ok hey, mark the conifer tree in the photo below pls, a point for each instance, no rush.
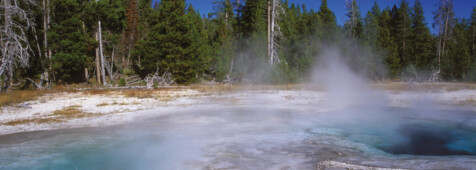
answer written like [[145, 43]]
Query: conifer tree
[[421, 43], [371, 28], [69, 41], [386, 42], [472, 31], [401, 27], [458, 61], [329, 23], [223, 40], [353, 25]]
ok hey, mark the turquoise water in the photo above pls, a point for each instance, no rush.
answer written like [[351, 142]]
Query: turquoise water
[[250, 138]]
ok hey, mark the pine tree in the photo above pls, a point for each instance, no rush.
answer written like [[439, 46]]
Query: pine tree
[[458, 61], [223, 40], [386, 42], [69, 41], [402, 30], [254, 19], [174, 43], [329, 23], [472, 31], [353, 25], [253, 24], [131, 31], [198, 51], [421, 43], [371, 28]]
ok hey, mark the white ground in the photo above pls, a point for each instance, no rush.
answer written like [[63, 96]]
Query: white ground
[[114, 109]]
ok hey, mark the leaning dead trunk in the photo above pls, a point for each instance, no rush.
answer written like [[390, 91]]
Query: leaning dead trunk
[[101, 52]]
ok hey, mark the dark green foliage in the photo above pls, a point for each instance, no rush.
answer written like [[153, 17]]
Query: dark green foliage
[[231, 43], [371, 28], [223, 40], [353, 25], [401, 30], [387, 44], [472, 41], [68, 40], [421, 45], [457, 62], [328, 20], [175, 43]]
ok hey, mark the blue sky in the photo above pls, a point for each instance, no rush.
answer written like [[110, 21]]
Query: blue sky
[[462, 8]]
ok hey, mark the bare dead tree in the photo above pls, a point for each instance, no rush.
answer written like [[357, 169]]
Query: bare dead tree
[[46, 13], [100, 72], [155, 79], [353, 15], [443, 22], [274, 30], [13, 40], [101, 52]]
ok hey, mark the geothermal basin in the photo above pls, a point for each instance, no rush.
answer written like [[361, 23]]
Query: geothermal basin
[[267, 129]]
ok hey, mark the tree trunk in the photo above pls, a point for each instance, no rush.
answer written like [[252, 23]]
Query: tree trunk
[[439, 52], [112, 63], [101, 51], [473, 42], [98, 70], [353, 18], [45, 37], [269, 30], [446, 30], [271, 43], [404, 38], [86, 75], [8, 24]]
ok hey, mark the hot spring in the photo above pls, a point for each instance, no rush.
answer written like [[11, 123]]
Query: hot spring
[[346, 124], [258, 132]]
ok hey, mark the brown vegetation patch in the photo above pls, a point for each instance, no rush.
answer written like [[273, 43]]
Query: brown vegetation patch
[[141, 94], [109, 104], [71, 110], [34, 120], [14, 97], [62, 115], [225, 88]]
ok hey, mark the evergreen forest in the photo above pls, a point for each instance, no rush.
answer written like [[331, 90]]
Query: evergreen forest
[[109, 42]]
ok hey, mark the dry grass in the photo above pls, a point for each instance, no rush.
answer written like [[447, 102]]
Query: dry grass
[[141, 94], [68, 111], [103, 104], [109, 104], [14, 97], [58, 116], [225, 88], [34, 120], [98, 92], [427, 87]]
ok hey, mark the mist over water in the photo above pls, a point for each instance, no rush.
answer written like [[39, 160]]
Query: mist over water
[[344, 86], [345, 121]]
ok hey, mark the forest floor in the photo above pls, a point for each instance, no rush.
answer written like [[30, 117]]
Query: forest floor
[[58, 109]]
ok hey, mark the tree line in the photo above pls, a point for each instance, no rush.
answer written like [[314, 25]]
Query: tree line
[[47, 42]]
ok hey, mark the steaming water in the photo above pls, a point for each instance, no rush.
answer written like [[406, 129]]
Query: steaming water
[[255, 136], [353, 124]]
